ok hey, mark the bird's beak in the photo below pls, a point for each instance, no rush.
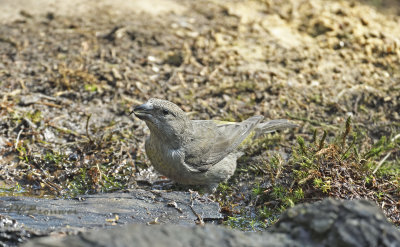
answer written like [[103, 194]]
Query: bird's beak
[[141, 111]]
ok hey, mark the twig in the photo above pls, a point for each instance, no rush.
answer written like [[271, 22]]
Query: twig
[[387, 155], [348, 149], [199, 218], [395, 138], [322, 141], [381, 162], [17, 141], [279, 170], [30, 123], [87, 127], [68, 131], [100, 175], [311, 121], [216, 70], [48, 104]]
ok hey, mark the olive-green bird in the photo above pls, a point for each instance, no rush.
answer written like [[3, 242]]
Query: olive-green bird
[[196, 152]]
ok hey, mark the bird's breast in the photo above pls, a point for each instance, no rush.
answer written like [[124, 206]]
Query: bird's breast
[[166, 160]]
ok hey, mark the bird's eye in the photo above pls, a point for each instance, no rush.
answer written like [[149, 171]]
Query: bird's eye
[[165, 112]]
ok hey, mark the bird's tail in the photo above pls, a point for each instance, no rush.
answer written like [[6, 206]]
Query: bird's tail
[[272, 125]]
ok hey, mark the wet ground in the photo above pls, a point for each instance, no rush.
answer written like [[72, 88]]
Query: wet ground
[[110, 210], [71, 72]]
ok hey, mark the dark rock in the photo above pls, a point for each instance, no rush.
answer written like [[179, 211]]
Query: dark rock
[[13, 233], [167, 235], [326, 223], [338, 223]]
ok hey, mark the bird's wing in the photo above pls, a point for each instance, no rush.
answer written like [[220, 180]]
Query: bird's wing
[[211, 141]]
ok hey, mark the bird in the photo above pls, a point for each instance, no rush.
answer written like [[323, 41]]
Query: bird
[[197, 152]]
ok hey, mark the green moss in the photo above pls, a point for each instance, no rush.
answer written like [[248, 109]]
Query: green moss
[[35, 116], [245, 223], [91, 87], [341, 165], [16, 190], [97, 178]]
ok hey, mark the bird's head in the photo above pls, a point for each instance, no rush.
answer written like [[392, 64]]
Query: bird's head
[[164, 118]]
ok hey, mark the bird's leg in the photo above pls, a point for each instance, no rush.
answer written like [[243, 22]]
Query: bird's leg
[[211, 188]]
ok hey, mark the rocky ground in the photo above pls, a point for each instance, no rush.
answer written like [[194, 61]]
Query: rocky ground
[[333, 223], [71, 73]]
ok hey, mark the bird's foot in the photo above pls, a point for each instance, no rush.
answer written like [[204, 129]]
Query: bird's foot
[[164, 184]]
